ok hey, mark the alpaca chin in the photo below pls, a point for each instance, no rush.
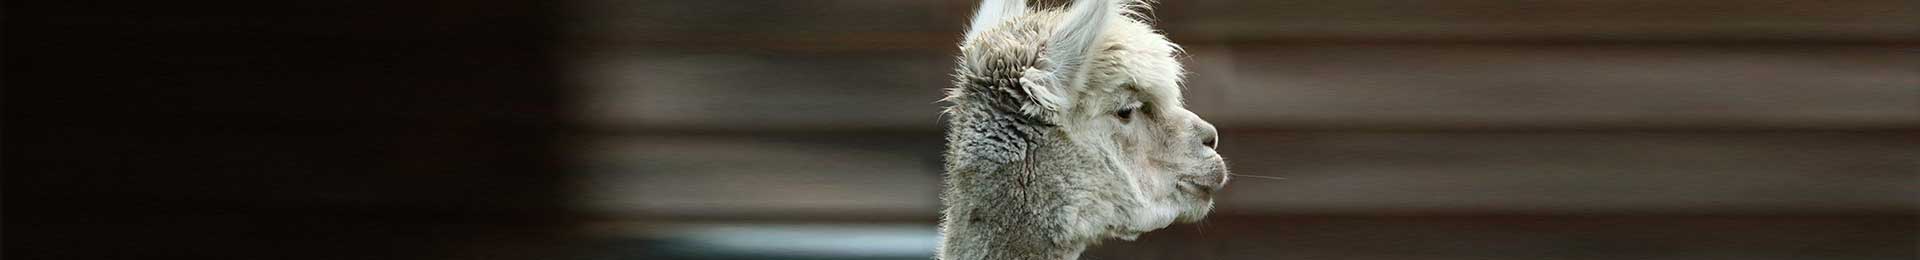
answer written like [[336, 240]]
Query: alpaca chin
[[1197, 213]]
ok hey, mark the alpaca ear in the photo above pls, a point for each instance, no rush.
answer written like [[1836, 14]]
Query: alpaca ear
[[1041, 87], [1079, 29], [1070, 47], [993, 12]]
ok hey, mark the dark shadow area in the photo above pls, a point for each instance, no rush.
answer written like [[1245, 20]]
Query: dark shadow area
[[280, 130]]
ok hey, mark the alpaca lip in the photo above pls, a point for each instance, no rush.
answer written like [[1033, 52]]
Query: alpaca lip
[[1224, 177], [1207, 190], [1213, 180], [1206, 185], [1216, 186]]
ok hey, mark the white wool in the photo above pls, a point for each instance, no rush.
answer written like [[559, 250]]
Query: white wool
[[1041, 162], [994, 12]]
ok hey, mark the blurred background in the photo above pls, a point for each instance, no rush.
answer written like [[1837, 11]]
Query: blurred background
[[808, 129]]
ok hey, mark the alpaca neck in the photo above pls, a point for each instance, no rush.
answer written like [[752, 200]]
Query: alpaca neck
[[989, 243], [1008, 212]]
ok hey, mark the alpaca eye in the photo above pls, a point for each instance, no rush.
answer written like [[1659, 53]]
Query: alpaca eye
[[1125, 114]]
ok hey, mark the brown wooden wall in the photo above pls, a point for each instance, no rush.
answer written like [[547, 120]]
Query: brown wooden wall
[[1571, 124], [1448, 129], [1461, 97]]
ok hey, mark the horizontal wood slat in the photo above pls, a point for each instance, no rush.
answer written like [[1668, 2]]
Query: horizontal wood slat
[[1568, 86], [1631, 20], [897, 174], [651, 90], [1600, 236], [1574, 171], [1572, 237], [868, 24], [1369, 86]]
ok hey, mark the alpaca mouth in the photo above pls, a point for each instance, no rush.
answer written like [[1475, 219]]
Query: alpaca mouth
[[1207, 190], [1204, 185]]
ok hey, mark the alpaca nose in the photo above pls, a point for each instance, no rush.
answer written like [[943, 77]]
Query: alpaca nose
[[1209, 136]]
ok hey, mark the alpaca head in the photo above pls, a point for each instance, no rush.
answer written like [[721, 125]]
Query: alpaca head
[[1093, 81]]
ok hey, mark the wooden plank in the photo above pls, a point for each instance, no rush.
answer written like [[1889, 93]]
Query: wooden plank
[[876, 174], [1558, 86], [935, 25], [1574, 171], [1314, 236], [748, 91], [1586, 236], [771, 174], [760, 24], [1312, 86], [1630, 20]]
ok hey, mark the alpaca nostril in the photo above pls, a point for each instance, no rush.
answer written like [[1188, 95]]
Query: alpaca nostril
[[1209, 136]]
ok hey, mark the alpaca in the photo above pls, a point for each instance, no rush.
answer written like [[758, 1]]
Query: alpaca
[[1067, 128]]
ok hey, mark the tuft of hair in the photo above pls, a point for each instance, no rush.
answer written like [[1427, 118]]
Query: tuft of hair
[[1138, 9], [992, 13], [1073, 41], [1059, 60]]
